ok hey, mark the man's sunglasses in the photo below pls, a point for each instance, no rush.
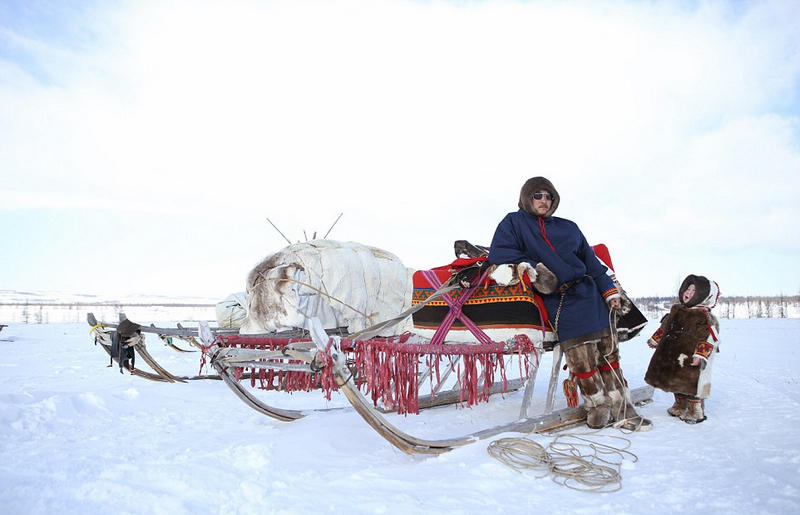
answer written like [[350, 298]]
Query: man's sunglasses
[[540, 196]]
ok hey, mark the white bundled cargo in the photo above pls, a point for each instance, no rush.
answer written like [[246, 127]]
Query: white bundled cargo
[[343, 284], [232, 311]]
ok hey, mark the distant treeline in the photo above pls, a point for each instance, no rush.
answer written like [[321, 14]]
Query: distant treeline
[[70, 312], [780, 306]]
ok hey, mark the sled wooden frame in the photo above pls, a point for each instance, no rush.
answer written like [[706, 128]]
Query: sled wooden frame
[[161, 374], [409, 444], [224, 359], [224, 373]]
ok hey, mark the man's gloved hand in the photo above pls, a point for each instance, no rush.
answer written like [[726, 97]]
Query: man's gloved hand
[[504, 275]]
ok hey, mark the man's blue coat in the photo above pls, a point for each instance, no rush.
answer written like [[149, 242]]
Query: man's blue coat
[[523, 237]]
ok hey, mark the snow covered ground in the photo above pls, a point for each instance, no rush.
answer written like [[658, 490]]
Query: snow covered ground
[[77, 437]]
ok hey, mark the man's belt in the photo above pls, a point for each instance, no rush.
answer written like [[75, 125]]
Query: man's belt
[[566, 286]]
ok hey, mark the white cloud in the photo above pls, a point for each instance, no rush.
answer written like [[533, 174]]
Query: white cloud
[[420, 121]]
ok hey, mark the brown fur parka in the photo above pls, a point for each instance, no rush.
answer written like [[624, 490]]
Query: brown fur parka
[[670, 367]]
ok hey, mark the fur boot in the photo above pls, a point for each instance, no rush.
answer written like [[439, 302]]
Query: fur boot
[[679, 406], [694, 413], [616, 387], [598, 413], [583, 365]]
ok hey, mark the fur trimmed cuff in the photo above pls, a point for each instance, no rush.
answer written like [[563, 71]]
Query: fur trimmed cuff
[[703, 350], [611, 293], [656, 338]]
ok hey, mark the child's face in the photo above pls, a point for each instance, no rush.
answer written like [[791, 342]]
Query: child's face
[[688, 293]]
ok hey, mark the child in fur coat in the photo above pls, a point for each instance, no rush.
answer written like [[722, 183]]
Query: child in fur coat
[[685, 345]]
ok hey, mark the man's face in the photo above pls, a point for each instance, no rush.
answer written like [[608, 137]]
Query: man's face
[[688, 293], [541, 205]]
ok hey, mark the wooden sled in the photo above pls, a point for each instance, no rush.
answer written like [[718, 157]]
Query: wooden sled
[[317, 360], [334, 355], [302, 354], [326, 351]]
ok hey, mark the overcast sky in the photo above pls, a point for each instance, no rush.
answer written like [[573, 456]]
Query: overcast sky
[[143, 145]]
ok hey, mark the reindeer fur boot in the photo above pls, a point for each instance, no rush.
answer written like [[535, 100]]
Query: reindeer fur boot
[[679, 406], [581, 360], [622, 411], [598, 412], [694, 413]]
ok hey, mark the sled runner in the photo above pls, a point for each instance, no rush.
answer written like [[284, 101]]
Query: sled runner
[[471, 338], [105, 334]]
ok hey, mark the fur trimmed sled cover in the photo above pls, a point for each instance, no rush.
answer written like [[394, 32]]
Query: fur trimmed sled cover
[[344, 284], [689, 330]]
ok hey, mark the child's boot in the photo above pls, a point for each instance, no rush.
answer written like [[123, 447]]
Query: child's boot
[[677, 409], [694, 411]]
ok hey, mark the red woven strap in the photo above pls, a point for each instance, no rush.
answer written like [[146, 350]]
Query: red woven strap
[[585, 375], [608, 366]]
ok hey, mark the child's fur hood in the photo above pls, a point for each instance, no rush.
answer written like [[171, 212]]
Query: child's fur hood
[[706, 295]]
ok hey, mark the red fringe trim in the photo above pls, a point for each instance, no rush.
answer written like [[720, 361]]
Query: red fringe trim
[[387, 369], [570, 392]]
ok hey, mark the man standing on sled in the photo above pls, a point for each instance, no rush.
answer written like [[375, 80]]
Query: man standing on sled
[[579, 308]]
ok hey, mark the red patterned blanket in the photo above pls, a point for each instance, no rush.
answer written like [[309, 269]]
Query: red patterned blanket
[[500, 311]]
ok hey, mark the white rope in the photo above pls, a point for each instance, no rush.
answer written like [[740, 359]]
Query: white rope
[[621, 417], [520, 454], [370, 331], [572, 459]]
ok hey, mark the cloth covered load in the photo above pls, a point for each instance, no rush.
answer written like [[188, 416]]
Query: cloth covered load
[[232, 311], [345, 285]]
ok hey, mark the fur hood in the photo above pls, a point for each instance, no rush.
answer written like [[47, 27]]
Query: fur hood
[[707, 291], [530, 187]]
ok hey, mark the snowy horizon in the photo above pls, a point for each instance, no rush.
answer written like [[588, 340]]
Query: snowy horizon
[[56, 307]]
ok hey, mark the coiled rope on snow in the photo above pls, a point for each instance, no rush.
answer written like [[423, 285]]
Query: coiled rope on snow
[[572, 459]]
